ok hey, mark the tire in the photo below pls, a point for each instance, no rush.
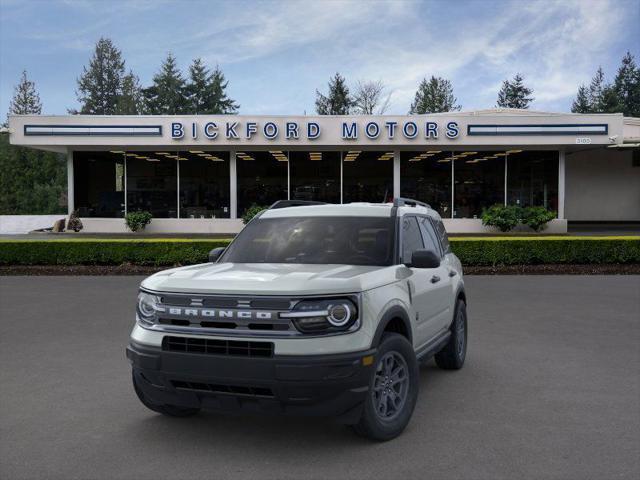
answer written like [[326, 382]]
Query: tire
[[169, 410], [452, 356], [385, 415]]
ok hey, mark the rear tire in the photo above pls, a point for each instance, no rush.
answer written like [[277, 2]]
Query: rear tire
[[452, 356], [169, 410], [393, 390]]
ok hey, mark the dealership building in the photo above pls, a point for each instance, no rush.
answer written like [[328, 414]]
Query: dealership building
[[201, 173]]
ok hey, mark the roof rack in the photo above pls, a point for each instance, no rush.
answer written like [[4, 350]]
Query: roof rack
[[408, 202], [294, 203]]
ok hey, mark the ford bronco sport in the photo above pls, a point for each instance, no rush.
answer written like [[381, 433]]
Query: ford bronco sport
[[313, 309]]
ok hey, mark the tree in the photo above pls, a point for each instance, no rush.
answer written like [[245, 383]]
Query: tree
[[596, 91], [514, 94], [434, 95], [627, 86], [338, 101], [25, 99], [581, 104], [167, 95], [100, 85], [130, 101], [206, 92], [370, 98]]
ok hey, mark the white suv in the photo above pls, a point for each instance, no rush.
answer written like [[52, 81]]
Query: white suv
[[313, 309]]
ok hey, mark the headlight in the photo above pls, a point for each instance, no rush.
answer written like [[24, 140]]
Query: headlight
[[323, 316], [147, 307]]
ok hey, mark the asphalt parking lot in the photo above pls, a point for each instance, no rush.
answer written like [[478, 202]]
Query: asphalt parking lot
[[551, 389]]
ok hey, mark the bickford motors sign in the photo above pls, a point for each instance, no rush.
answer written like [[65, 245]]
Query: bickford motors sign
[[294, 130]]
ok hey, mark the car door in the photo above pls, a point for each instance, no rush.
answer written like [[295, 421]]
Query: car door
[[441, 295], [420, 283]]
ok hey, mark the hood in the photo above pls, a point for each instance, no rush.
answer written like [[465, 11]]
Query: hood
[[270, 279]]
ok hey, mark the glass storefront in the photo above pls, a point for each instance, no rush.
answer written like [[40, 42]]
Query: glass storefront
[[197, 184], [204, 184], [478, 182], [367, 176], [99, 184], [426, 176], [152, 183], [532, 178], [315, 176], [261, 178]]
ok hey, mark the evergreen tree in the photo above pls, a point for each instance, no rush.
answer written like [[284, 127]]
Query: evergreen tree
[[581, 104], [100, 85], [130, 101], [206, 91], [596, 91], [25, 99], [433, 96], [167, 95], [514, 94], [627, 86], [338, 101]]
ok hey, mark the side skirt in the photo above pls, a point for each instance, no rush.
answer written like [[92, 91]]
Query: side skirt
[[434, 346]]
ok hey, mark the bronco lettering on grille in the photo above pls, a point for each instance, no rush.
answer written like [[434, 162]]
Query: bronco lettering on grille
[[212, 313]]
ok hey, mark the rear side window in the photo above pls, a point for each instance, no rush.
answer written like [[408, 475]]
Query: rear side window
[[429, 236], [411, 238], [442, 234]]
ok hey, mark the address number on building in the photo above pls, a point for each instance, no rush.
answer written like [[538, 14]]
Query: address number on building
[[583, 141]]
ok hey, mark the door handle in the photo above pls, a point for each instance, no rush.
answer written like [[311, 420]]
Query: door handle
[[452, 273], [435, 279]]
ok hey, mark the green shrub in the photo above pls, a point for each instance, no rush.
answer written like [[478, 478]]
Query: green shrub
[[536, 217], [137, 220], [167, 252], [504, 218], [251, 212]]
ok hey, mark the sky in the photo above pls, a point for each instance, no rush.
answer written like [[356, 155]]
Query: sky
[[275, 54]]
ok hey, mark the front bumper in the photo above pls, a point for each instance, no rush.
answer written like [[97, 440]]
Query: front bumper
[[317, 385]]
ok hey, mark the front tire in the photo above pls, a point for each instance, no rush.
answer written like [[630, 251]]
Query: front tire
[[169, 410], [393, 390], [452, 356]]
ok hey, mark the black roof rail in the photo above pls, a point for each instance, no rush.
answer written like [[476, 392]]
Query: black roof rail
[[409, 202], [294, 203]]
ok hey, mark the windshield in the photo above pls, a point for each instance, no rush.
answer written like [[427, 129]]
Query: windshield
[[342, 240]]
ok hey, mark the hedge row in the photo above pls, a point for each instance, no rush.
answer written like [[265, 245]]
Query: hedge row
[[471, 251]]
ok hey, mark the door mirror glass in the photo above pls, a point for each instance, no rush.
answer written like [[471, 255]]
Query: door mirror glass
[[214, 254], [424, 259]]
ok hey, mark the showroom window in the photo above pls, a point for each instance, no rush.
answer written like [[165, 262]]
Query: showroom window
[[261, 178], [152, 183], [99, 184], [532, 178], [204, 184], [315, 176], [367, 176], [478, 182], [426, 176]]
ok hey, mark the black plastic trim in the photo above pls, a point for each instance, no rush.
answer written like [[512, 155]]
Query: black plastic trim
[[394, 312]]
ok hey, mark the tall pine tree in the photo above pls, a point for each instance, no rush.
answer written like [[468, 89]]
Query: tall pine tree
[[167, 94], [25, 99], [100, 85], [627, 86], [514, 94], [582, 103], [433, 96], [338, 100], [206, 92], [130, 101]]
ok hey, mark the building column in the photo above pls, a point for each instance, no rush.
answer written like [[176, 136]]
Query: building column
[[233, 185], [70, 183], [561, 178], [396, 173]]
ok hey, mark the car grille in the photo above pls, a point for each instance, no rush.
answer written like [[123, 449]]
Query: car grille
[[228, 389], [208, 346]]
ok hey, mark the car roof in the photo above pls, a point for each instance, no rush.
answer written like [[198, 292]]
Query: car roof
[[360, 209]]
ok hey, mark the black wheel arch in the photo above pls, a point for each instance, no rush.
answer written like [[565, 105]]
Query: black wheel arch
[[396, 320]]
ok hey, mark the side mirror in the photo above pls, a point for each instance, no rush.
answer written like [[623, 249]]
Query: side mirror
[[214, 254], [424, 259]]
